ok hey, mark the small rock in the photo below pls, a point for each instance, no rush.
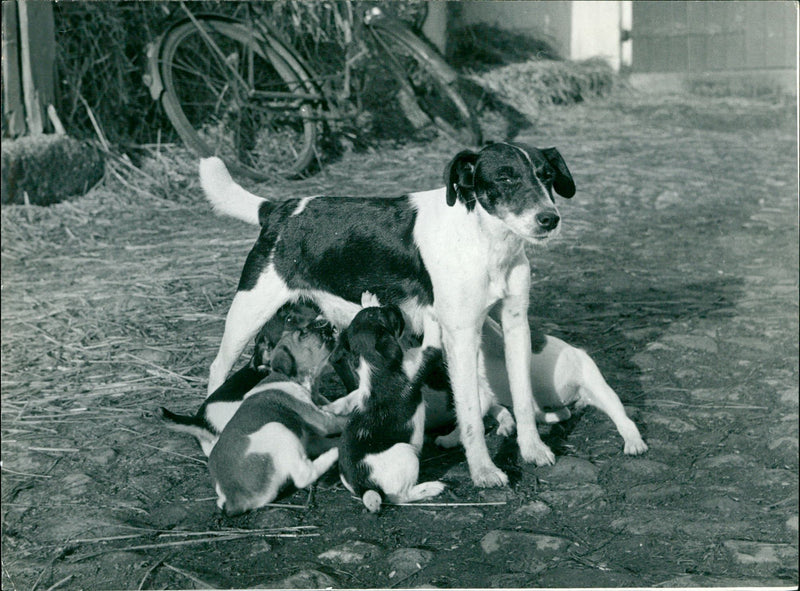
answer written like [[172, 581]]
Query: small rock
[[260, 547], [695, 342], [789, 397], [304, 579], [576, 495], [496, 495], [104, 456], [791, 523], [527, 552], [269, 517], [644, 469], [405, 562], [464, 516], [354, 552], [785, 450], [644, 360], [671, 423], [534, 509], [569, 470], [745, 552], [725, 461], [723, 504]]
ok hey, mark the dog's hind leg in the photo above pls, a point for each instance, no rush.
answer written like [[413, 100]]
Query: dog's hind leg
[[595, 391], [422, 491], [249, 311], [305, 472]]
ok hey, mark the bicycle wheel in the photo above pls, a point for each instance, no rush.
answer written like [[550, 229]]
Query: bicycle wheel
[[426, 79], [229, 94]]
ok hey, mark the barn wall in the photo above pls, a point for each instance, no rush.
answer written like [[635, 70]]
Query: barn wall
[[686, 39]]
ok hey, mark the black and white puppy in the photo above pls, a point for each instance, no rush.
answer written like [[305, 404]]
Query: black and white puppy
[[378, 451], [443, 256], [290, 352], [267, 443]]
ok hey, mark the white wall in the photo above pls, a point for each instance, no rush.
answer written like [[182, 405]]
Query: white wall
[[596, 31]]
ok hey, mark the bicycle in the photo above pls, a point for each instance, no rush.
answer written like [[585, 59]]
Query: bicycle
[[232, 86]]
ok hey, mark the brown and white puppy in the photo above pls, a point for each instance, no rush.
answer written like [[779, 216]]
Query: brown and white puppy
[[267, 443], [444, 256], [287, 353], [378, 451]]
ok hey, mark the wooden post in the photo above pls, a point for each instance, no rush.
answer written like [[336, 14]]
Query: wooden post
[[37, 53], [13, 106]]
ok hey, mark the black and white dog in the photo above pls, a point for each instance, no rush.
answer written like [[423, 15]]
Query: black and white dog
[[378, 451], [444, 257]]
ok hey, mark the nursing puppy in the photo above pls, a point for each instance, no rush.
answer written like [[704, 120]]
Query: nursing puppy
[[289, 352], [561, 375], [378, 451], [444, 256], [265, 445]]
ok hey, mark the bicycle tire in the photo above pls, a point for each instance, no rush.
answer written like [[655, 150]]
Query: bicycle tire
[[442, 103], [212, 112]]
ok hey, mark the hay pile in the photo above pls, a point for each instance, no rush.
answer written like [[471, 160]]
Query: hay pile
[[528, 86]]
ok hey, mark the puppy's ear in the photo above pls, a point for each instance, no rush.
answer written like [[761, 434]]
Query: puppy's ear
[[563, 184], [283, 362], [342, 347], [388, 348], [459, 177], [395, 318]]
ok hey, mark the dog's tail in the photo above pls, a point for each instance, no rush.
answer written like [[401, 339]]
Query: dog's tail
[[226, 195], [372, 500], [192, 425]]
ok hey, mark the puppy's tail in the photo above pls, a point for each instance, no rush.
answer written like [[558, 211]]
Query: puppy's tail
[[225, 195], [187, 424], [372, 501]]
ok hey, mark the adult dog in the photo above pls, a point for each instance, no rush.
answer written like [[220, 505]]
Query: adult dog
[[444, 257]]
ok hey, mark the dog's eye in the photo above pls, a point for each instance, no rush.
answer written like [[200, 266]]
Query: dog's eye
[[546, 175], [506, 180]]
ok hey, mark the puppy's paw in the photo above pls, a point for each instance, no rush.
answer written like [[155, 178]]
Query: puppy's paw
[[540, 454], [489, 476], [506, 425], [634, 447], [448, 441]]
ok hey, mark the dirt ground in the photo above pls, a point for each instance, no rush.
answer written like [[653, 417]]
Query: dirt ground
[[677, 270]]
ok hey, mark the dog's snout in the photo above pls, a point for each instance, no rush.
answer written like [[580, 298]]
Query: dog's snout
[[548, 220]]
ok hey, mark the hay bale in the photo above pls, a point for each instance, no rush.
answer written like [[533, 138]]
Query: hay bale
[[49, 168]]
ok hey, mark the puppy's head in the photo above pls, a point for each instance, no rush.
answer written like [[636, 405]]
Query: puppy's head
[[312, 332], [303, 349], [374, 335], [513, 182]]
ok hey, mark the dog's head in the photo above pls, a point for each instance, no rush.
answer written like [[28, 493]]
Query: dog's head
[[514, 183], [374, 336]]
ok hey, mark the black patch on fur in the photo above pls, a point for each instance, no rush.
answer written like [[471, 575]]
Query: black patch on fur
[[271, 215], [344, 246]]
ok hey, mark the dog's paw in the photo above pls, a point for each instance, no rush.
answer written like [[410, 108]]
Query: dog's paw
[[634, 447], [541, 455], [448, 441], [489, 476]]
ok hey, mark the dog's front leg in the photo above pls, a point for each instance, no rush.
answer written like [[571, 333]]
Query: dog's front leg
[[517, 336], [461, 346], [249, 311]]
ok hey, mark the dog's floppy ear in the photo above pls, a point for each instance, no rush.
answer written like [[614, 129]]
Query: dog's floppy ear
[[395, 318], [563, 184], [342, 347], [459, 176], [387, 347]]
